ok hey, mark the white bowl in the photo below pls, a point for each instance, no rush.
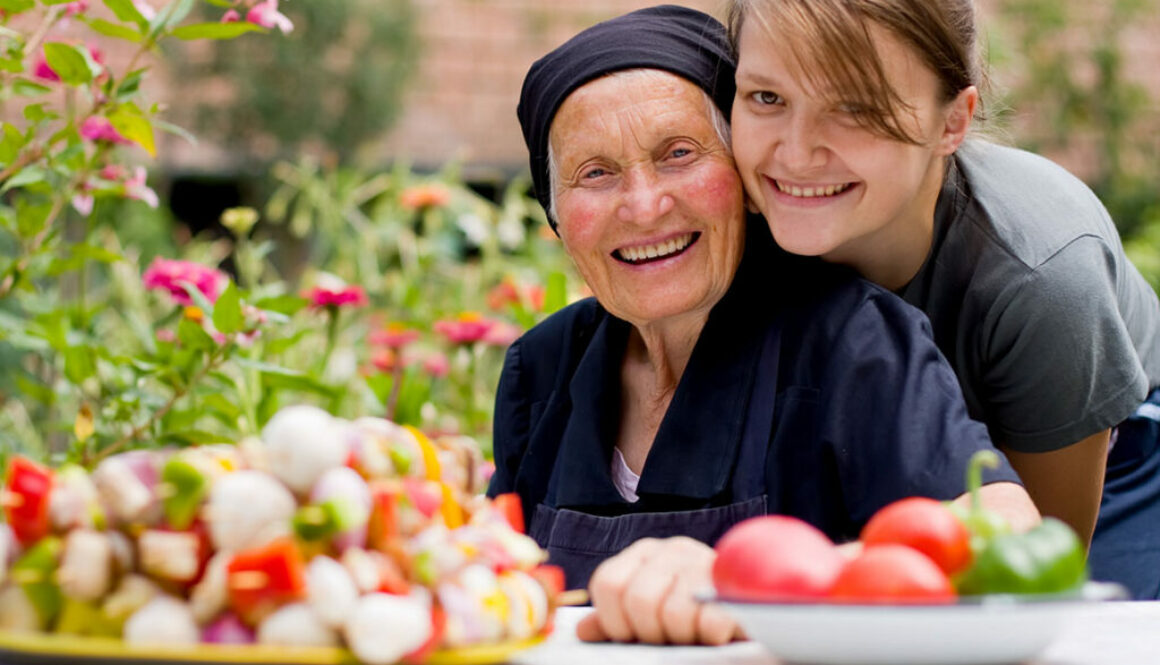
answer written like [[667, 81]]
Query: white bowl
[[985, 630]]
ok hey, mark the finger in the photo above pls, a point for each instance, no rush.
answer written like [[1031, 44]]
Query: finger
[[715, 627], [588, 629], [608, 585], [645, 595], [680, 611]]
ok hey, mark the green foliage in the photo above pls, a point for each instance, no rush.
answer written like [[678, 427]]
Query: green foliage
[[331, 86]]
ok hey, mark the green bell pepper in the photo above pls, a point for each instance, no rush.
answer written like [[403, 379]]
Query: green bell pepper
[[184, 489], [983, 524], [35, 572], [1048, 559]]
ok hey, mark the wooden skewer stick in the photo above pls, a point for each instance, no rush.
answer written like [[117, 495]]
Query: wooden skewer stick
[[248, 580], [10, 499], [572, 598]]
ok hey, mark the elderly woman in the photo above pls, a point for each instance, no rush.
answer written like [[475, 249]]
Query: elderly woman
[[712, 378]]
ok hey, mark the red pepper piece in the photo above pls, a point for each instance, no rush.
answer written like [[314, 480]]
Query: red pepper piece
[[510, 507], [391, 577], [26, 495], [383, 527], [550, 577], [438, 626], [263, 578]]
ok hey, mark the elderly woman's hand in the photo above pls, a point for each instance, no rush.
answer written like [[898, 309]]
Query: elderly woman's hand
[[645, 594]]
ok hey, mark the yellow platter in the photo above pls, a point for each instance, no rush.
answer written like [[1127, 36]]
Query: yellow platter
[[21, 648]]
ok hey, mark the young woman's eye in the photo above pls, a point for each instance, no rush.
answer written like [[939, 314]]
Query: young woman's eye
[[766, 98], [852, 109]]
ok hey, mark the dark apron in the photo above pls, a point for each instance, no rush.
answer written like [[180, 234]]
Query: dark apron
[[579, 542], [1126, 544]]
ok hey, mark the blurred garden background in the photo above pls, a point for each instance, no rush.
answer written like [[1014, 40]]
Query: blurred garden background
[[213, 208]]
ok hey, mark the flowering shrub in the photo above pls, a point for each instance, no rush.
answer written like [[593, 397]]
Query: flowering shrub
[[103, 348]]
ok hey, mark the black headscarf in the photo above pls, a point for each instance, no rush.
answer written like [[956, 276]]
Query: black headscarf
[[683, 41]]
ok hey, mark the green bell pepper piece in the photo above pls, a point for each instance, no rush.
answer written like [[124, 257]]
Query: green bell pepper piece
[[185, 488], [983, 524], [34, 572], [1048, 559]]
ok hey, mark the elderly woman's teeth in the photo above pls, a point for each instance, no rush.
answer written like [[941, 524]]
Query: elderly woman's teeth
[[811, 192], [656, 251]]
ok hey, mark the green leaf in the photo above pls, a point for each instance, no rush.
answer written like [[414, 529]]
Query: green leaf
[[130, 84], [169, 16], [216, 30], [17, 6], [285, 304], [70, 63], [227, 311], [556, 292], [26, 88], [171, 128], [125, 10], [277, 377], [131, 123], [25, 176], [79, 364], [193, 336], [198, 297], [10, 144], [13, 65], [115, 30]]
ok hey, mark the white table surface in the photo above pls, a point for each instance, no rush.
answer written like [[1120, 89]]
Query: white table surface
[[1114, 633]]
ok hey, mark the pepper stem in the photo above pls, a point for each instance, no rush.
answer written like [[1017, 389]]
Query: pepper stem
[[982, 458]]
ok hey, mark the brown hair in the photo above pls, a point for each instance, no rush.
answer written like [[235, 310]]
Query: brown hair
[[830, 42]]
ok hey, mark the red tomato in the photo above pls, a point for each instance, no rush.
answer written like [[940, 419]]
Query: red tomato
[[509, 506], [892, 574], [925, 525], [775, 558], [25, 499], [550, 577]]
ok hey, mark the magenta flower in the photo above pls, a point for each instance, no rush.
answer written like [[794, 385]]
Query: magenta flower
[[266, 14], [394, 336], [168, 274], [321, 296], [502, 334], [74, 8], [466, 328], [231, 16], [98, 128]]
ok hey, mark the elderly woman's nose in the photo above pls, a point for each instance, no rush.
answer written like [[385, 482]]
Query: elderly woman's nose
[[646, 199]]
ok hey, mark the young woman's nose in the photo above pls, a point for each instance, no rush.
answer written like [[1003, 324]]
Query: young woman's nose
[[645, 199], [800, 149]]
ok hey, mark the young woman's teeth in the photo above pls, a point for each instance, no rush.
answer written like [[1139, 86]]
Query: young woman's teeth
[[811, 192], [657, 251]]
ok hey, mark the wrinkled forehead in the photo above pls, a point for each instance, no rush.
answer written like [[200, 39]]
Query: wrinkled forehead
[[640, 104]]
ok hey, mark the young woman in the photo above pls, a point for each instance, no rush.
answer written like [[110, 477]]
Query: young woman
[[850, 130]]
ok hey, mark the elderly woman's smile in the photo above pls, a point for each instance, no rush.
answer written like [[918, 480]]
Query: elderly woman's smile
[[648, 201]]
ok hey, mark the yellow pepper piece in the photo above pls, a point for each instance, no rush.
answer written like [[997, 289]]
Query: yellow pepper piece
[[430, 457], [452, 513]]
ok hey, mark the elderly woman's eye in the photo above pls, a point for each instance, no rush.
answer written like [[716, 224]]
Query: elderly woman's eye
[[766, 98], [593, 173], [677, 153]]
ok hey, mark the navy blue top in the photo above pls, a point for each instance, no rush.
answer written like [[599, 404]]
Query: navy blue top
[[864, 411]]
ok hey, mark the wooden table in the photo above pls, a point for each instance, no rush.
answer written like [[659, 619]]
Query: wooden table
[[1118, 633]]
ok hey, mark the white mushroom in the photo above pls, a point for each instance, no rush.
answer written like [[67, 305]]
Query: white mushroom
[[331, 591], [74, 501], [126, 496], [163, 620], [17, 613], [384, 628], [296, 625], [248, 509], [132, 593], [302, 443], [211, 594], [85, 565], [169, 555]]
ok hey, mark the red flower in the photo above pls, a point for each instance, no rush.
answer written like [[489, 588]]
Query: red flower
[[508, 292], [436, 365], [384, 360], [424, 196], [502, 334], [468, 327], [394, 336], [320, 296], [167, 275]]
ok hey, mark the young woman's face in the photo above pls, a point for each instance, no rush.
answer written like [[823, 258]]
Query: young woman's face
[[649, 203], [828, 186]]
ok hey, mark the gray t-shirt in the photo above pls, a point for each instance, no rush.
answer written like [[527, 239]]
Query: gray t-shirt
[[1053, 333]]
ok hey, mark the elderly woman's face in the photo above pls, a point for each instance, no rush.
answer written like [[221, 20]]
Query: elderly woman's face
[[649, 203]]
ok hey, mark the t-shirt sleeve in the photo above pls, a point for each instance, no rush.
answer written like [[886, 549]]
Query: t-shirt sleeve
[[1061, 364], [897, 423], [510, 424]]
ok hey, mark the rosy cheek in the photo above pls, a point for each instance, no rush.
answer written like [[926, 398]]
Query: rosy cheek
[[718, 189], [579, 219]]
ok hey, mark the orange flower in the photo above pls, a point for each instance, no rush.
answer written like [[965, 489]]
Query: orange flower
[[424, 196]]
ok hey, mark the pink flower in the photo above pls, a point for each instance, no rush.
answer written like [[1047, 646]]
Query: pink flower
[[466, 328], [167, 275], [135, 188], [436, 365], [98, 128], [166, 335], [321, 296], [83, 204], [502, 334], [394, 336], [231, 16], [74, 8], [266, 14], [145, 9]]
